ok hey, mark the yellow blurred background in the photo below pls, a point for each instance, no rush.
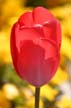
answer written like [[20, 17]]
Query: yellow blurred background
[[15, 93]]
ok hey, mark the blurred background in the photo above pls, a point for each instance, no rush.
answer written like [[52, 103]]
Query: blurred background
[[16, 93]]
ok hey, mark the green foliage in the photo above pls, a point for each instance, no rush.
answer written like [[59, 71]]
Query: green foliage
[[8, 74], [35, 3]]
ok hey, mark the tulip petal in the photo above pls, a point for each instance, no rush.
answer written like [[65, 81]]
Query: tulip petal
[[27, 34], [35, 46], [41, 15], [29, 62], [32, 56], [48, 70], [26, 19], [32, 64], [51, 49], [52, 32]]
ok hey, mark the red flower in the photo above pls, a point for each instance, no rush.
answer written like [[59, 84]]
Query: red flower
[[35, 46]]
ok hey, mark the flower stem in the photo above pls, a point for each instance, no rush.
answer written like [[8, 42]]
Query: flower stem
[[37, 97]]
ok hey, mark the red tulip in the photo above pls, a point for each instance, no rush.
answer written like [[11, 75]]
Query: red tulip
[[35, 46]]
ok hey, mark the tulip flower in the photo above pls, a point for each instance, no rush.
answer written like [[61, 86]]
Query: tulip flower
[[35, 46]]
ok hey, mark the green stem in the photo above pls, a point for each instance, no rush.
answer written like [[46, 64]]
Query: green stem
[[37, 96]]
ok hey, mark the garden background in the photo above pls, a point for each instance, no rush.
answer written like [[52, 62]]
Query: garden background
[[16, 93]]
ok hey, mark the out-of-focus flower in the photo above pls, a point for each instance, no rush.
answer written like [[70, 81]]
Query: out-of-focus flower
[[46, 91], [60, 76], [10, 91], [66, 47], [4, 103], [64, 102], [8, 6], [54, 3], [4, 47], [28, 93], [35, 46], [67, 27], [49, 92], [65, 87], [62, 12], [30, 103]]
